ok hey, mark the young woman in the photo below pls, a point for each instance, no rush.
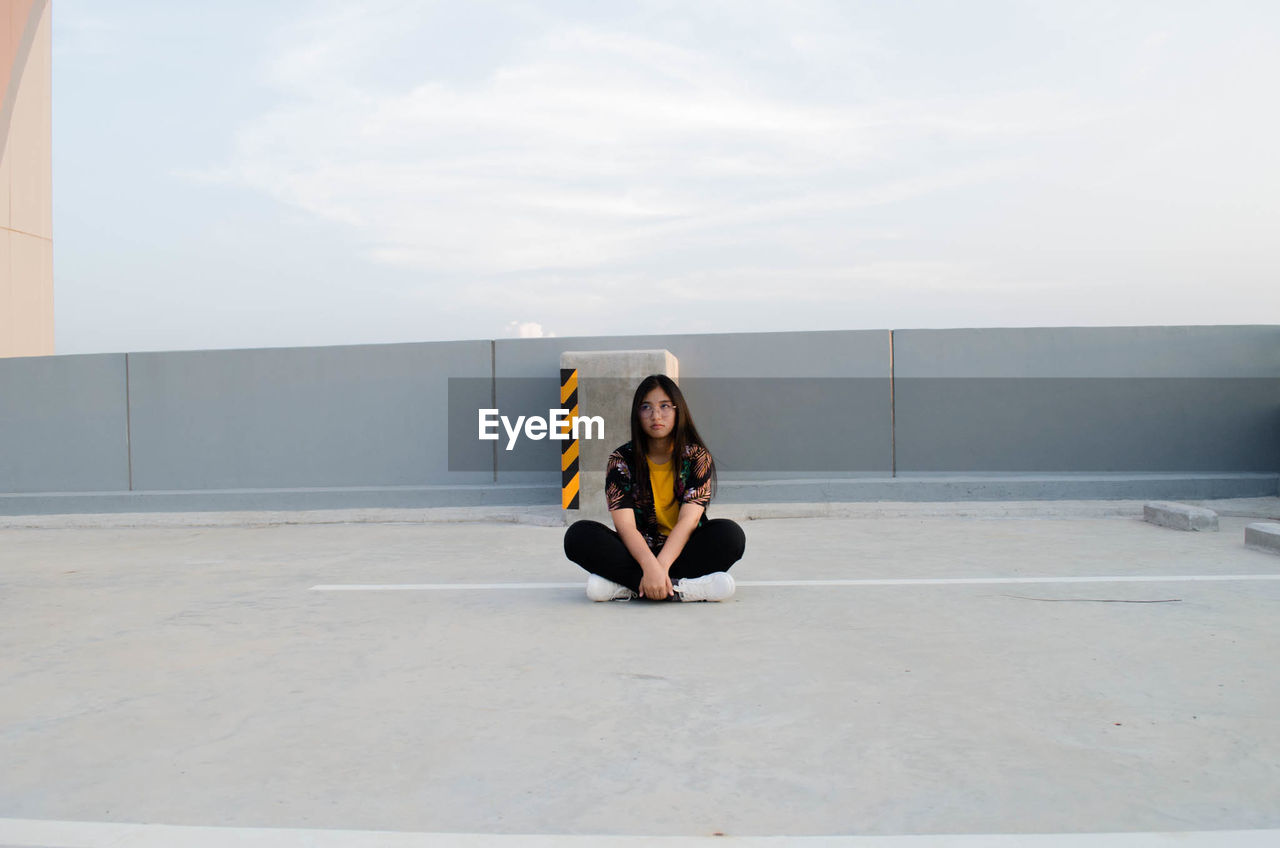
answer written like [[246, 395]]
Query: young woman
[[658, 485]]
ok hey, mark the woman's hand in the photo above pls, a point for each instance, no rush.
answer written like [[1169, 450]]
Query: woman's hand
[[686, 523], [656, 583]]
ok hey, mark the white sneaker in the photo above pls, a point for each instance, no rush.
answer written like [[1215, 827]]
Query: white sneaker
[[601, 589], [710, 587]]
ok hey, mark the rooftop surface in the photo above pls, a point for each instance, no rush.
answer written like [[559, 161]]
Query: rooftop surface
[[896, 675]]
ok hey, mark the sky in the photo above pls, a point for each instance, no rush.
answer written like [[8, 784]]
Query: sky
[[319, 173]]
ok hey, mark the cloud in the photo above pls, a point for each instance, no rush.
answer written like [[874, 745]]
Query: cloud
[[588, 145], [407, 170], [527, 330], [523, 154]]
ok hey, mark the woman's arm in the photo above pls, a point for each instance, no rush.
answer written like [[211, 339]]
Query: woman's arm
[[696, 496], [655, 583], [686, 522]]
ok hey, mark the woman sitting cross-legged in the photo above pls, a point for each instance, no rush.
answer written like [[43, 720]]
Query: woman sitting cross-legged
[[657, 486]]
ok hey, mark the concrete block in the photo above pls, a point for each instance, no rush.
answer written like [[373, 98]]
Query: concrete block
[[606, 381], [1264, 536], [1180, 516]]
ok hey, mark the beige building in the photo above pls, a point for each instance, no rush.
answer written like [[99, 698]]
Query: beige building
[[26, 179]]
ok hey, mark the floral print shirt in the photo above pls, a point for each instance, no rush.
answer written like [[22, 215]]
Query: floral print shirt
[[692, 485]]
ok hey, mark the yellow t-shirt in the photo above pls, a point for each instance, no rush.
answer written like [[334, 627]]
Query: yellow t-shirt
[[663, 482]]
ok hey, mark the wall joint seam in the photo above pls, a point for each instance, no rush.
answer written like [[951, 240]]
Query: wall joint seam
[[493, 396], [128, 423], [893, 415]]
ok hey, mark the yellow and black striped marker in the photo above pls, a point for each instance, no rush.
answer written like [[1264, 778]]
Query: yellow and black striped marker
[[569, 447]]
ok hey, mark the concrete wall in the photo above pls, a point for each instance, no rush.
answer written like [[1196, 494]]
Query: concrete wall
[[298, 417], [1106, 399], [63, 424], [375, 425], [26, 179]]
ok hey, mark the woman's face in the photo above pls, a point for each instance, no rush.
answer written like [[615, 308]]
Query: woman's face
[[657, 414]]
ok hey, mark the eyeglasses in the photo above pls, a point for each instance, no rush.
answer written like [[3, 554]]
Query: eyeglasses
[[664, 409]]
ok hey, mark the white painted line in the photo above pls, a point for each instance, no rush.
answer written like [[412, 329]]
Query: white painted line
[[72, 834], [897, 581], [965, 581], [440, 587]]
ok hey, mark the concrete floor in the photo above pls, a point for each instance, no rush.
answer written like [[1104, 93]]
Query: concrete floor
[[192, 676]]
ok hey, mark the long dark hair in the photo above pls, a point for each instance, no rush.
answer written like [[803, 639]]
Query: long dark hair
[[683, 434]]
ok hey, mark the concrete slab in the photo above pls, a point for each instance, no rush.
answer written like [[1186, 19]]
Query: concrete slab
[[1268, 507], [1263, 535], [190, 677], [1180, 516]]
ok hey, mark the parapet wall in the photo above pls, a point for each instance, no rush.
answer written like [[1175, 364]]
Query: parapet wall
[[373, 425]]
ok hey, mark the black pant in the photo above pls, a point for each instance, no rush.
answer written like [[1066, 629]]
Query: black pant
[[715, 546]]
